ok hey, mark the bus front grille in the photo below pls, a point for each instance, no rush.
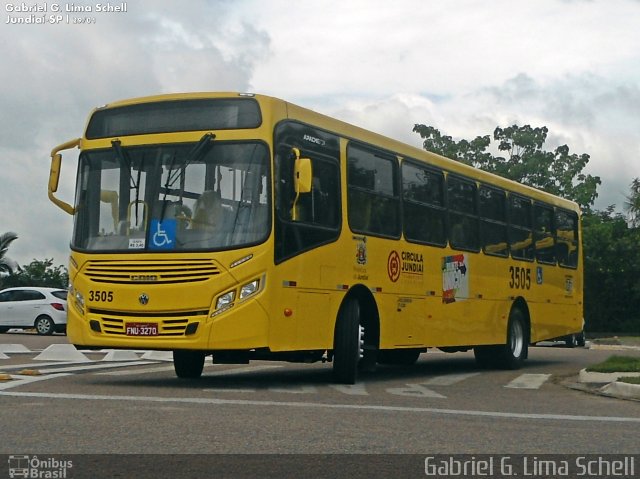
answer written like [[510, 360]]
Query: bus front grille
[[170, 324], [154, 272]]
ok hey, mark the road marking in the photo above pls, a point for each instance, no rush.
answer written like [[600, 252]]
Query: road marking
[[415, 390], [315, 405], [131, 372], [357, 389], [448, 379], [528, 381], [90, 367], [295, 390]]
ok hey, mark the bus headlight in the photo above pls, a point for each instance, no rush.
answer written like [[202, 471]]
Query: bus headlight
[[79, 301], [225, 299], [249, 289]]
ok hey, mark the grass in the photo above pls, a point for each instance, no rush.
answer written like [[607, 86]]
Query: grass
[[617, 364], [619, 340], [633, 380]]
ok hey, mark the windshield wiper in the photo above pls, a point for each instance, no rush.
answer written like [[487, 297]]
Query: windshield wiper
[[198, 151]]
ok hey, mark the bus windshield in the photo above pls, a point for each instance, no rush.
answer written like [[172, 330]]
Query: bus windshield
[[176, 197]]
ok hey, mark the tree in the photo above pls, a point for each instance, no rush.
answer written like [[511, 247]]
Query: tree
[[6, 265], [611, 272], [39, 273], [632, 205], [557, 172]]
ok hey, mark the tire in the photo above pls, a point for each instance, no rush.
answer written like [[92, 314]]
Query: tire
[[581, 340], [571, 341], [347, 347], [513, 354], [510, 355], [44, 325], [188, 364], [398, 357], [486, 356]]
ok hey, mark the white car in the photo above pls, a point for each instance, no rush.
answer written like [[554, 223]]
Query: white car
[[44, 309]]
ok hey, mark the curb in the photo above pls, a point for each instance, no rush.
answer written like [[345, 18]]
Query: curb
[[622, 390], [612, 387]]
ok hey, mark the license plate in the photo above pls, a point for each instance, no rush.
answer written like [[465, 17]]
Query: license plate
[[141, 329]]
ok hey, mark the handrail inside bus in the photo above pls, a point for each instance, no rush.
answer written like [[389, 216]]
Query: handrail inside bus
[[54, 174]]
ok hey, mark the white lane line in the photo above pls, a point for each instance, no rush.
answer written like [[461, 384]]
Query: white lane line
[[131, 372], [528, 381], [315, 405], [448, 379], [89, 367]]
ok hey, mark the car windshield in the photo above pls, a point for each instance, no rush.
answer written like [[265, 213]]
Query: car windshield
[[173, 197]]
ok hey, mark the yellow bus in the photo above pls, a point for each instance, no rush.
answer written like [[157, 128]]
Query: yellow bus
[[244, 227]]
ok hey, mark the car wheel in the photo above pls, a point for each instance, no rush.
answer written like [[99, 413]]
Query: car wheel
[[44, 325]]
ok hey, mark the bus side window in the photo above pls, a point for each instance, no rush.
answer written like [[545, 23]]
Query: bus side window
[[423, 205], [544, 234], [520, 230], [567, 238], [463, 219], [493, 226], [373, 193]]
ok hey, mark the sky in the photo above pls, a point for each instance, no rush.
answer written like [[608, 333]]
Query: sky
[[462, 66]]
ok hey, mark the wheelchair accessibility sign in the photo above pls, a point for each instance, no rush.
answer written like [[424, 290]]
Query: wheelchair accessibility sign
[[162, 235]]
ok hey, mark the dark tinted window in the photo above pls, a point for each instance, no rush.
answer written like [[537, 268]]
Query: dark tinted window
[[463, 220], [423, 205], [318, 213], [544, 236], [520, 231], [567, 238], [177, 115], [493, 221], [62, 294], [373, 202]]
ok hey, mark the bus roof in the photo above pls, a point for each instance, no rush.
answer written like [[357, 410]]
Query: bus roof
[[352, 132]]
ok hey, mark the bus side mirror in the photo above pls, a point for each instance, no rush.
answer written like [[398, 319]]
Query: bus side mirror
[[303, 175], [54, 173], [302, 180]]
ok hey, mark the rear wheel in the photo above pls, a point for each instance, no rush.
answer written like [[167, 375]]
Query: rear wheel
[[188, 364], [510, 355], [571, 341], [44, 325], [347, 343], [513, 354]]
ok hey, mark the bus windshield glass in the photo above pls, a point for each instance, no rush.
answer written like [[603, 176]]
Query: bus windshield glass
[[173, 197], [173, 116]]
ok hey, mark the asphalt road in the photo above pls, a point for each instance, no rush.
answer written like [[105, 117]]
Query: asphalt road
[[442, 405]]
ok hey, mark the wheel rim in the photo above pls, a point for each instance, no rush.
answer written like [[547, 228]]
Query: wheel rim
[[43, 326], [516, 340]]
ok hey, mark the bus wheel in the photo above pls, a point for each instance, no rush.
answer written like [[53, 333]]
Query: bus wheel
[[515, 351], [347, 343], [486, 356], [188, 364]]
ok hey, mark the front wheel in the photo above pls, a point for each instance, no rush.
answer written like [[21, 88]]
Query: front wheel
[[188, 364], [44, 325], [347, 343]]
